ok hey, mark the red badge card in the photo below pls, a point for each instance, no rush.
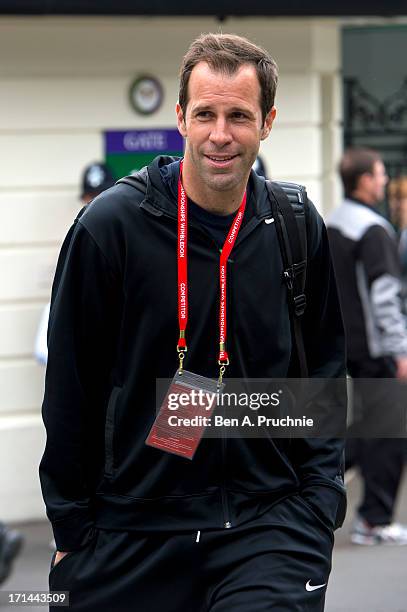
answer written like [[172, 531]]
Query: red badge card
[[184, 414]]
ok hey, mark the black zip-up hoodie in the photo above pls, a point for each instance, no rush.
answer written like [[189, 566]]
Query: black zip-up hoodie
[[113, 330]]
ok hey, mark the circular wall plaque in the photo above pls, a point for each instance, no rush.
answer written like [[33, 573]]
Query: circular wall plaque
[[146, 95]]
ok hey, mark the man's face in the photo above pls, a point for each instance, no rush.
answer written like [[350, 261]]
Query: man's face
[[223, 125], [376, 182]]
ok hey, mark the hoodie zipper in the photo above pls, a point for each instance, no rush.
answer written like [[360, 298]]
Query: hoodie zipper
[[227, 523], [225, 501]]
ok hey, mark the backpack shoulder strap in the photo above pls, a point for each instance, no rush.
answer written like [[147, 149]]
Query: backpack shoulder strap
[[288, 204]]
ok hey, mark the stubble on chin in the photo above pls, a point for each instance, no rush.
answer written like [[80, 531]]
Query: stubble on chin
[[221, 181]]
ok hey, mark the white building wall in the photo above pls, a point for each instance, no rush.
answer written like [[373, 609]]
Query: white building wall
[[62, 82]]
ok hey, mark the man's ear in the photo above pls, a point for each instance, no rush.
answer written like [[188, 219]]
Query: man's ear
[[180, 120], [268, 123], [364, 181]]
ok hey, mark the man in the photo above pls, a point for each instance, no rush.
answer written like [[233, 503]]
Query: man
[[247, 524], [96, 177], [367, 268]]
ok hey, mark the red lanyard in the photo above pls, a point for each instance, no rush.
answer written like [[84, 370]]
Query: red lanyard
[[223, 358]]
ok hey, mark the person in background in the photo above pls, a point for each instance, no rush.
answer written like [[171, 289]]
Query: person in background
[[96, 177], [397, 196], [11, 542], [364, 249]]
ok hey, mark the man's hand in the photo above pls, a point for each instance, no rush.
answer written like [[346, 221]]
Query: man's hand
[[401, 367], [60, 555]]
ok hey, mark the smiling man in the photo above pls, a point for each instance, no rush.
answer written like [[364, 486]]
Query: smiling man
[[181, 263]]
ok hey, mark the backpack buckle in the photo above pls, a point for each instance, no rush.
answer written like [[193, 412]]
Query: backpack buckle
[[288, 277], [300, 303]]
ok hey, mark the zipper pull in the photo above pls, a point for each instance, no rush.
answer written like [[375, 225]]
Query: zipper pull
[[228, 525]]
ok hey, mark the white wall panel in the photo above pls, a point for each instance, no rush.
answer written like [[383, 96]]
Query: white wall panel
[[26, 273], [36, 216], [78, 103], [22, 442], [298, 99], [331, 147], [52, 160], [332, 137], [103, 103], [117, 46], [21, 386], [293, 151], [325, 42], [331, 98], [334, 190], [18, 328]]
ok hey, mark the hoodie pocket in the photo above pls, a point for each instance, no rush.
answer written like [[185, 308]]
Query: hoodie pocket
[[109, 431], [54, 565]]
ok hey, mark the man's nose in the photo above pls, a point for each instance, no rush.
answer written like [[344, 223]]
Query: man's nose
[[220, 132]]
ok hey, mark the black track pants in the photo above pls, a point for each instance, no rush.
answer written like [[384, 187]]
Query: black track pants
[[277, 562]]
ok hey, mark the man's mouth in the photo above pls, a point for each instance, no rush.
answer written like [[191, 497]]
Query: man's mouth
[[221, 157], [220, 160]]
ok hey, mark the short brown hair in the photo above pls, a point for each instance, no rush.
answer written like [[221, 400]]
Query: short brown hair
[[226, 53], [355, 162]]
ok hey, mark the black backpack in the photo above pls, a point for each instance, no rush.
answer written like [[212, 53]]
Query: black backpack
[[288, 202]]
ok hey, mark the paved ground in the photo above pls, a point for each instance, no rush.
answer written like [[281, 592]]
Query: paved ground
[[363, 579], [368, 579]]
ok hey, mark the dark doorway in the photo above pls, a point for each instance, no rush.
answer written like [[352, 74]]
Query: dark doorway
[[375, 92]]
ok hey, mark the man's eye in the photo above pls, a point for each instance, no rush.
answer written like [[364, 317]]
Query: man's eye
[[203, 115]]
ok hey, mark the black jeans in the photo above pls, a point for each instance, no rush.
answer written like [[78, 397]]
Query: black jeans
[[280, 561], [381, 460]]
